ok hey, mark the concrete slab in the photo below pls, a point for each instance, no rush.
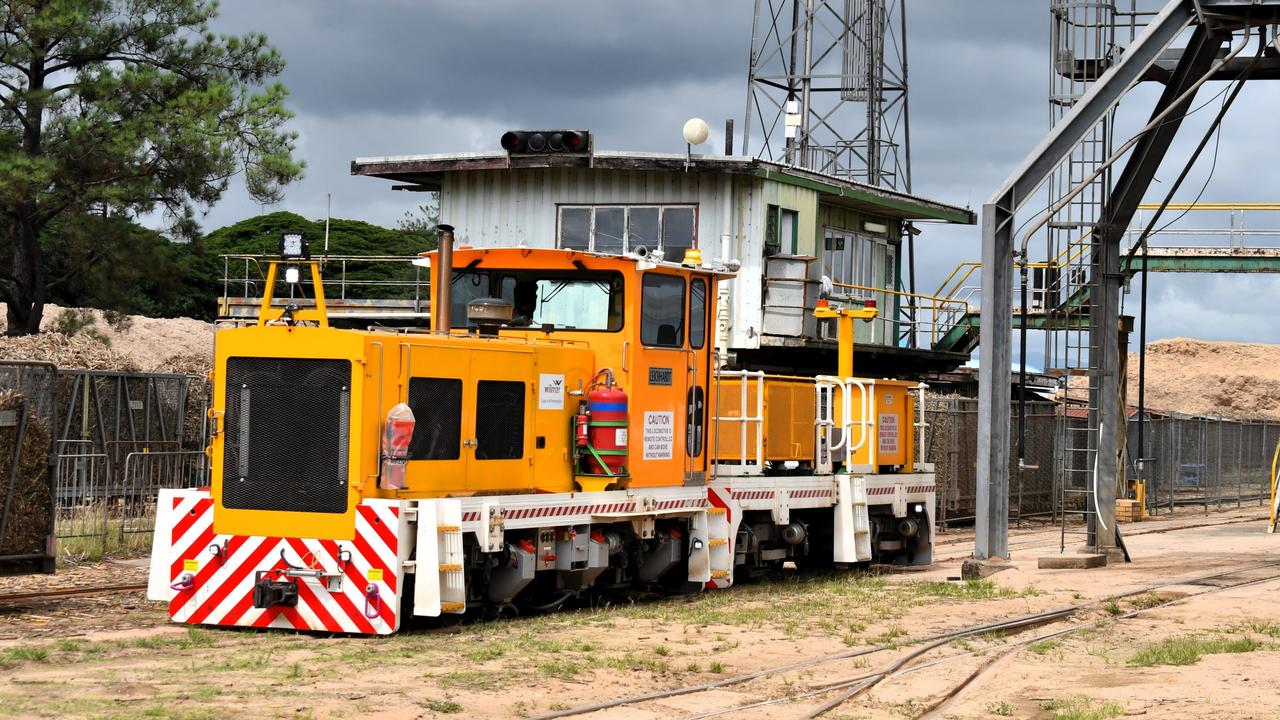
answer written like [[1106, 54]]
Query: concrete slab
[[1071, 562], [975, 569]]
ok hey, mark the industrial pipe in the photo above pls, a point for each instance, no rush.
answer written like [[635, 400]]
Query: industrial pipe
[[440, 320]]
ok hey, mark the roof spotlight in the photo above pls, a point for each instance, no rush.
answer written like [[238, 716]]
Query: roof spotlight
[[293, 246]]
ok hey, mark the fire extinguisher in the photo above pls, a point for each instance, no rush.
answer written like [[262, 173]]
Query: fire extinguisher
[[580, 423]]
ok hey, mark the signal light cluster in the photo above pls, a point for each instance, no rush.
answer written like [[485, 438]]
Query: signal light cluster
[[542, 142]]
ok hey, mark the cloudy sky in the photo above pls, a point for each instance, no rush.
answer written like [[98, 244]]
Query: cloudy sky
[[395, 77]]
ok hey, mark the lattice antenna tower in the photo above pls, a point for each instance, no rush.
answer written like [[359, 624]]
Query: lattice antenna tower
[[827, 88]]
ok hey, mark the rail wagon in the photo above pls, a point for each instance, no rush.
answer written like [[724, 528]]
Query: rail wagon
[[561, 431]]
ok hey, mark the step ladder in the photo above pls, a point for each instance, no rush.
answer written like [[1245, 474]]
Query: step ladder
[[440, 580], [719, 547], [852, 521]]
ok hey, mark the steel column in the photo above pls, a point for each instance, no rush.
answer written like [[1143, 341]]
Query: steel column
[[991, 502], [995, 354], [1202, 50]]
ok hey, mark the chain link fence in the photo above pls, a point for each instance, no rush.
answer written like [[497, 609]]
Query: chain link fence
[[1189, 460], [952, 447], [1212, 462]]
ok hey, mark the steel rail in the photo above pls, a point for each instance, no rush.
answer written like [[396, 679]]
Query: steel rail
[[932, 640], [58, 594], [855, 686], [1004, 650]]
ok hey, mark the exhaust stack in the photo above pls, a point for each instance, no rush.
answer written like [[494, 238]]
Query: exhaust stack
[[440, 305]]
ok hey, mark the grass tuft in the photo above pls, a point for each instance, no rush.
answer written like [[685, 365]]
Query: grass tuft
[[1045, 646], [22, 653], [1081, 708], [1188, 649], [1001, 708], [445, 707]]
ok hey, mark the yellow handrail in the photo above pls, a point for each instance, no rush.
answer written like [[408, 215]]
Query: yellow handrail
[[936, 306], [1069, 254], [1212, 206]]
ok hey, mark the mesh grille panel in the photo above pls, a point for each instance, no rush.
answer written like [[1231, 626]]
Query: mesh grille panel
[[499, 420], [437, 414], [286, 435]]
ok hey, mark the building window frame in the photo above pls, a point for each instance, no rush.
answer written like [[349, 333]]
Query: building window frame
[[627, 244]]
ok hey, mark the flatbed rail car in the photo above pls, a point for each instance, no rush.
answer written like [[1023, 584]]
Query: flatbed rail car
[[561, 431]]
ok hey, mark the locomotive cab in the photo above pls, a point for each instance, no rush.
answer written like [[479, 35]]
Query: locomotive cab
[[648, 326], [496, 403]]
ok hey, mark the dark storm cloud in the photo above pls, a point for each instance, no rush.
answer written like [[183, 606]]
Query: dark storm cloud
[[509, 58], [390, 77]]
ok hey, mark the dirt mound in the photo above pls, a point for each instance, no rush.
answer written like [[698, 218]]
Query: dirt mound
[[79, 351], [167, 345], [1210, 378]]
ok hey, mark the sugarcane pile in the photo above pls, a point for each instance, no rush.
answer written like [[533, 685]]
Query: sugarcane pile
[[28, 498]]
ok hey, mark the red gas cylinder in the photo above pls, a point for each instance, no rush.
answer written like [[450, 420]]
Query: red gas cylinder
[[607, 429]]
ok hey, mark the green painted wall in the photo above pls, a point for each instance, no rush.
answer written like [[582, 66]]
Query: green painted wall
[[805, 202]]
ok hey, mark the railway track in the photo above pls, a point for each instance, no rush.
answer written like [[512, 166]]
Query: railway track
[[64, 593], [842, 690]]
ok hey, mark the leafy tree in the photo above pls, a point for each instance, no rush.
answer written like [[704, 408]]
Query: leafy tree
[[423, 221], [120, 108], [139, 271]]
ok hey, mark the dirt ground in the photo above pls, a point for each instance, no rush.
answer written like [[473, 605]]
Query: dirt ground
[[116, 656]]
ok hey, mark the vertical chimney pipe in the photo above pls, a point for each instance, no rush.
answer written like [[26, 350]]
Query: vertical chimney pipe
[[441, 305]]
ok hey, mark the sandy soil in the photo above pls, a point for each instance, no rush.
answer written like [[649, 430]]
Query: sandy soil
[[1198, 377], [1210, 378], [119, 657]]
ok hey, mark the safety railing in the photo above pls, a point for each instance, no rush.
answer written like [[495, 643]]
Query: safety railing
[[356, 286], [81, 495], [749, 424], [921, 427], [843, 441], [957, 284], [105, 507], [1238, 233], [929, 317], [145, 474]]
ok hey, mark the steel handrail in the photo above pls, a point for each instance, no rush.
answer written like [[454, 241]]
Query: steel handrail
[[744, 418]]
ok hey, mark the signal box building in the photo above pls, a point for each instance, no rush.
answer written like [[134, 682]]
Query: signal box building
[[790, 228]]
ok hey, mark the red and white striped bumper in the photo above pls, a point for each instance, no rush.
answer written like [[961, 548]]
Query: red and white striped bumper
[[208, 579]]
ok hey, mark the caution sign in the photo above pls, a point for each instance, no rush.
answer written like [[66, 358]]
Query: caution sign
[[659, 435], [888, 433]]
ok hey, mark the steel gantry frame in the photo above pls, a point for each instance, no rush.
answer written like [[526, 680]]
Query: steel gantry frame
[[1213, 23]]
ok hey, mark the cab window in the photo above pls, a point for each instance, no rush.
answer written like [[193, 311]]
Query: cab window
[[697, 313], [662, 310], [561, 300]]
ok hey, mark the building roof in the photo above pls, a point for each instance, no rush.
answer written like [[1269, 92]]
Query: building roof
[[427, 172]]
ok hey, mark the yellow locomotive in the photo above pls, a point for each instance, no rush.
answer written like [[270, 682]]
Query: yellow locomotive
[[561, 430]]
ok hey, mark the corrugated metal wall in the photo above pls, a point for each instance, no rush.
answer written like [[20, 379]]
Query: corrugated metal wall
[[506, 208], [519, 206]]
